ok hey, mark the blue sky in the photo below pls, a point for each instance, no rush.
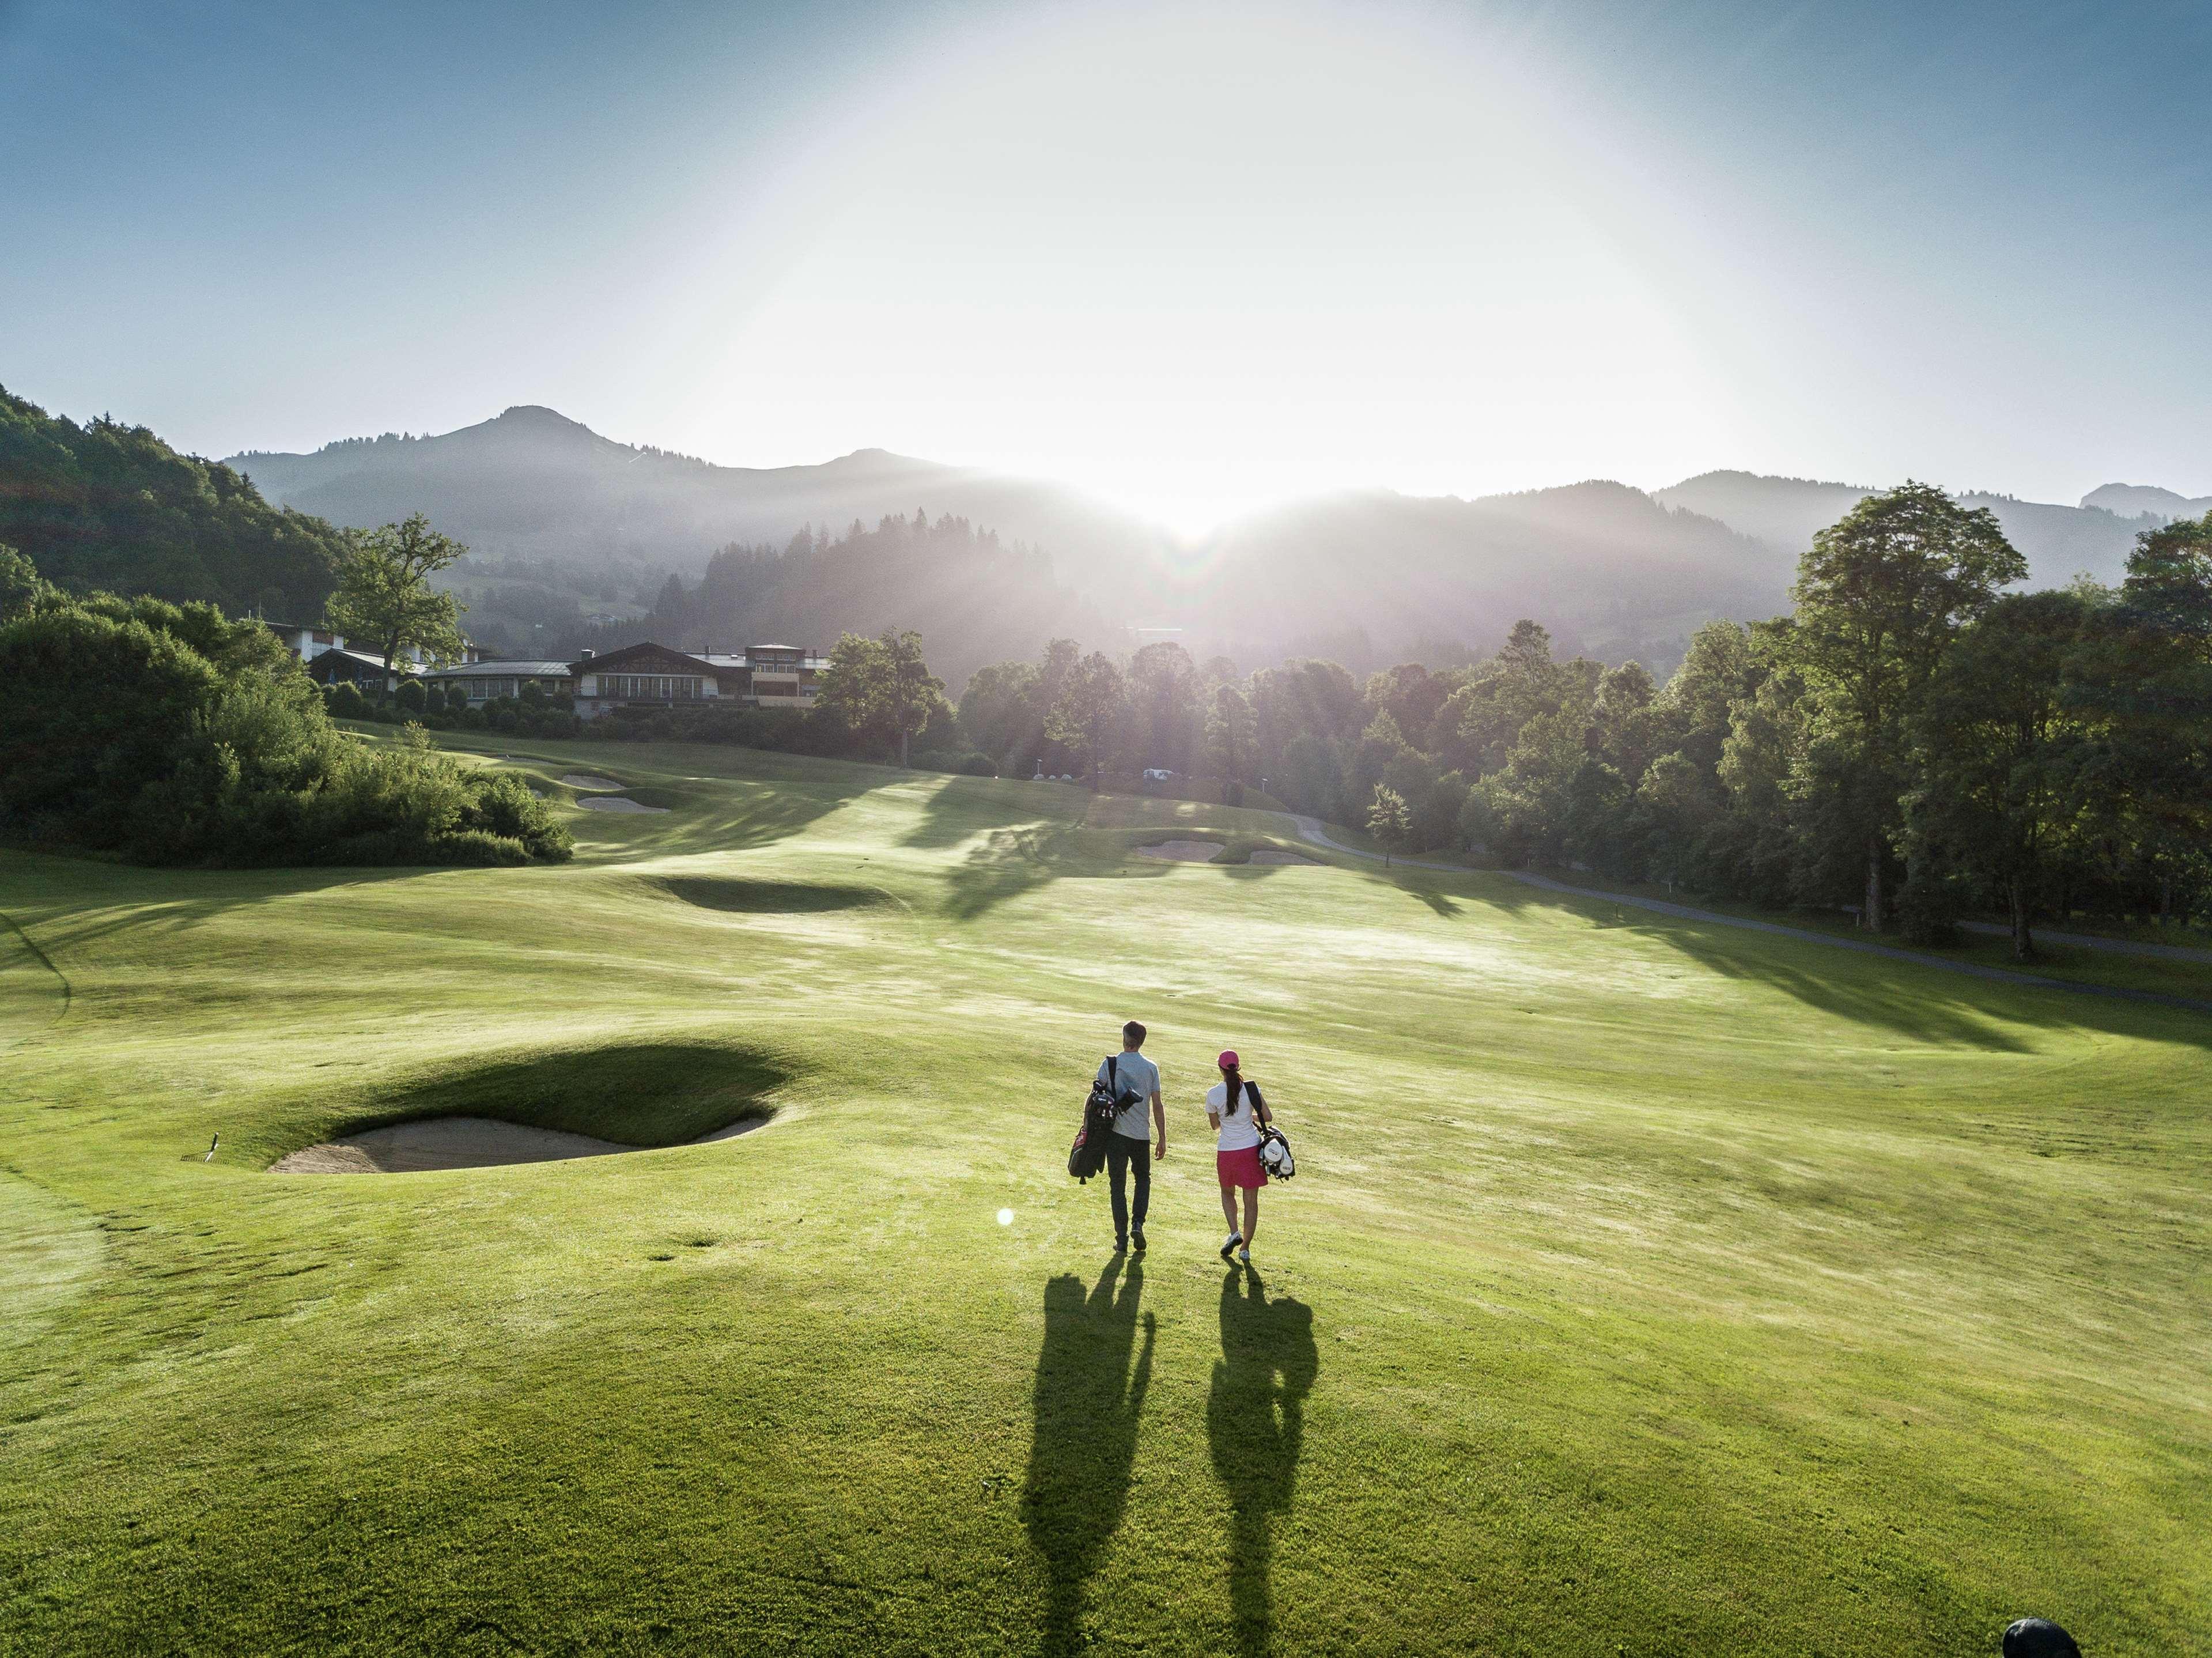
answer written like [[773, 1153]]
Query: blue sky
[[1196, 257]]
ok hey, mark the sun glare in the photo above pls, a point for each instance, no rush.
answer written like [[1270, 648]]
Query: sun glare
[[1195, 266]]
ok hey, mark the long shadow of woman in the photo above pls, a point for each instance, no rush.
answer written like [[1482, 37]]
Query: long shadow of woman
[[1255, 1417], [1089, 1398]]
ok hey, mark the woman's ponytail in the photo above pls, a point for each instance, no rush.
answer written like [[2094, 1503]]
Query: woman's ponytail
[[1232, 1078]]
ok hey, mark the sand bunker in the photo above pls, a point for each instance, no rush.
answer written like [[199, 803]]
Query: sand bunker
[[616, 803], [1269, 855], [439, 1143], [590, 780], [1183, 851]]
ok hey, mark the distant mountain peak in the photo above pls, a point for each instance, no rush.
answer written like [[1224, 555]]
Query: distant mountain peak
[[537, 414], [2138, 500]]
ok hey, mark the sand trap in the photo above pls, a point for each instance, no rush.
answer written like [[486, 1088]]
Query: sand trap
[[616, 803], [461, 1142], [1269, 855], [1183, 851], [588, 780]]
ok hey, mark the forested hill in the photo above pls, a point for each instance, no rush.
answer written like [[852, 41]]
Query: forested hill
[[563, 519], [2060, 542], [972, 596], [532, 484], [106, 505], [1366, 577]]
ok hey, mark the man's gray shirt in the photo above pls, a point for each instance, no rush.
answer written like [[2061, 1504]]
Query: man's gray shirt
[[1134, 1074]]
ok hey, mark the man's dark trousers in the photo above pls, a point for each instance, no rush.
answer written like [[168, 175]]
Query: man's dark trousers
[[1122, 1153]]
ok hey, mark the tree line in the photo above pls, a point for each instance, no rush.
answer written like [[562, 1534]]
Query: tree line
[[1913, 740]]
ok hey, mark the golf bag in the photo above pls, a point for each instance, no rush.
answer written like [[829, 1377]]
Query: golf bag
[[1100, 1108], [1275, 1147]]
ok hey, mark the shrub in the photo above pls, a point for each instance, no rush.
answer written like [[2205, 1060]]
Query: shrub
[[69, 759], [1232, 793], [413, 697], [345, 702], [226, 756]]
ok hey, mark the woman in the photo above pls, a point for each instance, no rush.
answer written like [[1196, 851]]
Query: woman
[[1235, 1108]]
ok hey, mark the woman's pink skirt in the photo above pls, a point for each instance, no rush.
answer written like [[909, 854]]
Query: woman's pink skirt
[[1241, 1168]]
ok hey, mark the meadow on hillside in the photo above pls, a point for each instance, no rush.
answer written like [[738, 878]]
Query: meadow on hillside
[[1646, 1287]]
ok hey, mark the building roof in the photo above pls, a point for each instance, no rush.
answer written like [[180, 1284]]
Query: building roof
[[533, 667], [711, 662], [327, 659]]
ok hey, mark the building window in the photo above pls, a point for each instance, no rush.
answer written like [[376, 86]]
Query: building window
[[652, 687]]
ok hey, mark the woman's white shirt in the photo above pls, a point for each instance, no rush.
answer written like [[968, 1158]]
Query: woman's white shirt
[[1237, 1130]]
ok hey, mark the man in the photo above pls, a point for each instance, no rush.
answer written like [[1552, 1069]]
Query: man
[[1135, 1081]]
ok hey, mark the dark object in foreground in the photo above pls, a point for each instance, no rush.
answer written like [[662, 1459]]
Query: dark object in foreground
[[2037, 1638]]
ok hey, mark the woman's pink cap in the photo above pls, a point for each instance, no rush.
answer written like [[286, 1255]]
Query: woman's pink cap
[[1228, 1060]]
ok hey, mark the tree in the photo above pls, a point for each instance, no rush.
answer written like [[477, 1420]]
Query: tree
[[881, 690], [1088, 709], [1533, 796], [2151, 675], [21, 590], [1162, 687], [1229, 735], [912, 695], [1388, 820], [1411, 695], [1000, 715], [1719, 671], [384, 591], [1879, 596], [2169, 583], [2000, 757], [847, 694]]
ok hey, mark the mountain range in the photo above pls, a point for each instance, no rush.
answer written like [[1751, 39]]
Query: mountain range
[[1366, 577]]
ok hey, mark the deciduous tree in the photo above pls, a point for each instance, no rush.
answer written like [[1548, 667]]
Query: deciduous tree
[[1879, 596], [1089, 711], [384, 590]]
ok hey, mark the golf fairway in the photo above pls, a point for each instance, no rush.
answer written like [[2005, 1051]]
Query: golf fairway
[[1646, 1287]]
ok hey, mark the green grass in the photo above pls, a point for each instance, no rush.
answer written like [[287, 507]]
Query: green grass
[[1646, 1287]]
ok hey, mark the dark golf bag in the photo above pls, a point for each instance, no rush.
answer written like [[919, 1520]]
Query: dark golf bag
[[1100, 1108]]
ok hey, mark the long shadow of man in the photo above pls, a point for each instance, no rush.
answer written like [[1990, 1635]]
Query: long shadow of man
[[1255, 1417], [1089, 1397]]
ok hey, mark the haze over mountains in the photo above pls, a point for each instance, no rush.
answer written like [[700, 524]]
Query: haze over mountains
[[1366, 576]]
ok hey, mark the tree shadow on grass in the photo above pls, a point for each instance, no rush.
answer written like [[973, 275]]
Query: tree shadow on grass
[[1011, 862], [1256, 1419], [1921, 1000], [1090, 1397], [960, 808]]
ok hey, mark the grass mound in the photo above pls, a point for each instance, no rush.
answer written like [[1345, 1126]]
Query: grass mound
[[742, 897], [652, 1093]]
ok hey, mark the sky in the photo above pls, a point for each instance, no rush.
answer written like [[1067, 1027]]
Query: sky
[[1195, 258]]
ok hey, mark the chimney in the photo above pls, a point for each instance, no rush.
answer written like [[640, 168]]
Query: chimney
[[588, 656]]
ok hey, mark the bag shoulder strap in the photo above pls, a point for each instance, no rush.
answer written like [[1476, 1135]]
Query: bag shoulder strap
[[1259, 1104]]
